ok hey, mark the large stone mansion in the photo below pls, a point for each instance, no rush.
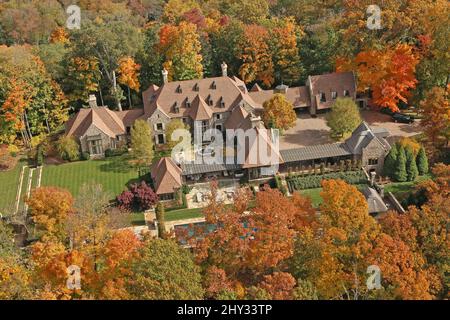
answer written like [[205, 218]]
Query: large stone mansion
[[226, 103]]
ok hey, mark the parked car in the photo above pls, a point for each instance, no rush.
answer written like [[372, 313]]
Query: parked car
[[402, 118], [387, 110]]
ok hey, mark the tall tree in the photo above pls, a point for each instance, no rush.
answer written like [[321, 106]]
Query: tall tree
[[181, 47], [175, 124], [411, 166], [256, 57], [436, 117], [286, 59], [107, 40], [49, 207], [129, 75], [422, 161], [389, 73], [279, 112], [400, 173], [141, 143], [343, 118], [164, 271]]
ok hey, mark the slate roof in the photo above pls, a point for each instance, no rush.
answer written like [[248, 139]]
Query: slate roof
[[374, 200], [194, 168], [104, 119], [224, 92], [298, 96], [315, 152], [166, 176], [362, 136]]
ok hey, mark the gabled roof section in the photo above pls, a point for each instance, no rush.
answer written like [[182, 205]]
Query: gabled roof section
[[256, 88], [237, 118], [166, 176], [360, 138], [374, 200], [101, 117], [222, 91], [200, 110]]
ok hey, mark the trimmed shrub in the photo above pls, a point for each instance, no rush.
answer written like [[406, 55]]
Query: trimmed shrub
[[125, 200], [68, 148], [85, 156], [138, 196], [40, 155], [161, 218], [115, 152], [314, 181]]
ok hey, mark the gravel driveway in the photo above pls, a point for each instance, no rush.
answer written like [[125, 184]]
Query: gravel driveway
[[314, 131]]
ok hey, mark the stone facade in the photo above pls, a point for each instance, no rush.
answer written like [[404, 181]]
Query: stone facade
[[373, 156]]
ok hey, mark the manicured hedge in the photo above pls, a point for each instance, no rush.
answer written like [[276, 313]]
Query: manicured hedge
[[314, 181]]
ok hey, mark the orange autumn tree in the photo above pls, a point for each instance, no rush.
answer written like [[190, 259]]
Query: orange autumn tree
[[129, 75], [256, 57], [279, 285], [180, 45], [331, 253], [248, 241], [59, 35], [436, 116], [401, 273], [49, 207], [14, 108], [118, 253], [389, 73]]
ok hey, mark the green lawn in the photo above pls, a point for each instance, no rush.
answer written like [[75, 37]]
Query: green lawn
[[113, 173], [183, 214], [399, 189], [314, 195], [9, 181]]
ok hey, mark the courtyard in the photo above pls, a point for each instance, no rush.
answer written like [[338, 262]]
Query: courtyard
[[310, 131]]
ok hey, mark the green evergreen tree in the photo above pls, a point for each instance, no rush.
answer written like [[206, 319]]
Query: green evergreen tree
[[422, 162], [411, 166], [161, 218], [400, 173], [390, 162]]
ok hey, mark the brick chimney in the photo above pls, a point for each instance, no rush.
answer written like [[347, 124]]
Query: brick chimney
[[92, 101], [165, 75], [224, 69]]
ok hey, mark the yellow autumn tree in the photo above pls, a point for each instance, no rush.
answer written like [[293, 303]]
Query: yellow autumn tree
[[129, 75], [279, 112]]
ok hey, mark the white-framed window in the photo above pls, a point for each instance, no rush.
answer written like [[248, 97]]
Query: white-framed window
[[333, 95], [323, 98], [218, 116], [346, 93], [159, 126], [373, 162]]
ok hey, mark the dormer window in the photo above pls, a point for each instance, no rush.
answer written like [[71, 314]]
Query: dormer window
[[176, 108], [346, 93], [196, 88], [188, 103], [333, 95], [322, 97], [179, 90], [222, 103], [213, 85], [209, 101]]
